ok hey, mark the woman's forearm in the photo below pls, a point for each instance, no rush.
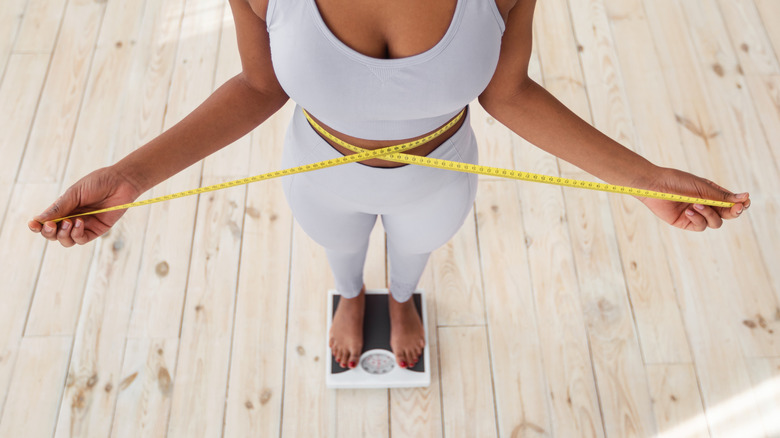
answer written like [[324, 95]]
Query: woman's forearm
[[537, 116], [229, 113]]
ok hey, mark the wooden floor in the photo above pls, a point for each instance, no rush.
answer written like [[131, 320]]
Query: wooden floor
[[557, 312]]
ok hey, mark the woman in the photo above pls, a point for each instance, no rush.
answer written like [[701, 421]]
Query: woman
[[373, 75]]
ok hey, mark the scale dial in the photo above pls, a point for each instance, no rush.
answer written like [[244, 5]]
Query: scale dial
[[378, 362]]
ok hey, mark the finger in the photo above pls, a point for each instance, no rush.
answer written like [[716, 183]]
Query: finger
[[734, 211], [743, 198], [34, 226], [697, 221], [64, 234], [711, 216], [79, 235], [49, 230], [740, 201]]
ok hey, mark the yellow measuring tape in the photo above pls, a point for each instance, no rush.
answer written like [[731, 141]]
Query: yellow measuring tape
[[395, 153]]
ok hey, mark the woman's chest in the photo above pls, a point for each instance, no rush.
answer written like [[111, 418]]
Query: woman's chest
[[387, 30]]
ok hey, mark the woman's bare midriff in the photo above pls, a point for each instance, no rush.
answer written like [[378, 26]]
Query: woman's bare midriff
[[420, 151]]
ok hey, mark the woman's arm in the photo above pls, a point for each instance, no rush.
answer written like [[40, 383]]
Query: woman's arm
[[530, 111], [233, 110]]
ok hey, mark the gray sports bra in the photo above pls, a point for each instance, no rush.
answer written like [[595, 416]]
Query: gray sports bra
[[383, 99]]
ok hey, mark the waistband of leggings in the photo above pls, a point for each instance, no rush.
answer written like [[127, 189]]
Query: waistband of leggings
[[320, 150]]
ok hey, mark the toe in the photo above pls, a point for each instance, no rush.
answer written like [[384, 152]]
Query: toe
[[413, 357], [337, 354], [408, 359], [403, 360], [353, 359], [399, 359]]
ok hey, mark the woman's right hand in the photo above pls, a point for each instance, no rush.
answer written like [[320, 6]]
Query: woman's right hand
[[100, 189]]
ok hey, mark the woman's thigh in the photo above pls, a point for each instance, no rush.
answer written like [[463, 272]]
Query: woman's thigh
[[430, 222], [327, 219]]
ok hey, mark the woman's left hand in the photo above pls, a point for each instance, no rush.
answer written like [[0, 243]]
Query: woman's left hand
[[693, 217]]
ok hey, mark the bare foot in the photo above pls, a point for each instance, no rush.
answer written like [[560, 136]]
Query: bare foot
[[346, 331], [407, 334]]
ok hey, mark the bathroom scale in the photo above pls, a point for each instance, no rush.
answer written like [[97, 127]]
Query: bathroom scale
[[377, 367]]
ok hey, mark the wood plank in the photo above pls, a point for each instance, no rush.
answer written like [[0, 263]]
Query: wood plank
[[418, 411], [580, 408], [769, 10], [156, 66], [22, 82], [765, 90], [11, 16], [98, 350], [97, 357], [204, 351], [144, 388], [516, 349], [765, 375], [255, 388], [144, 402], [305, 395], [648, 278], [566, 354], [467, 383], [617, 356], [676, 400], [20, 274], [5, 198], [574, 401], [111, 118], [50, 141], [40, 26], [748, 37], [759, 64], [721, 69], [754, 167], [707, 269], [457, 273], [34, 396], [657, 126], [19, 94], [718, 359], [169, 235], [207, 327], [699, 110], [722, 244]]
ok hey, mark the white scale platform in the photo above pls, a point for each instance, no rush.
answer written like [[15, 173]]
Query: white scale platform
[[377, 367]]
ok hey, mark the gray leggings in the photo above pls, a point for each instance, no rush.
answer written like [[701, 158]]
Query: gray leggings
[[421, 208]]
